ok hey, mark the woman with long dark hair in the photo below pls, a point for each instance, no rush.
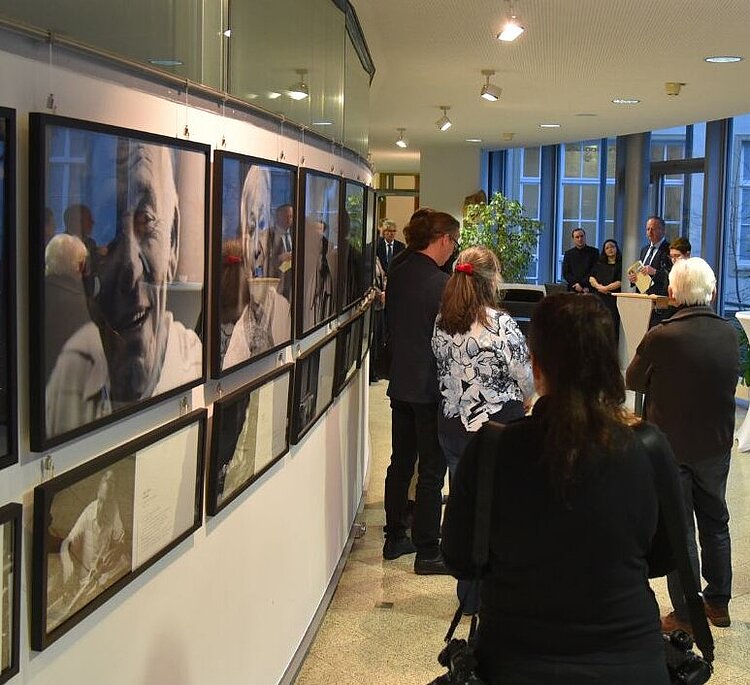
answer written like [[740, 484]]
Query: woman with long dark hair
[[482, 362], [605, 278], [574, 519]]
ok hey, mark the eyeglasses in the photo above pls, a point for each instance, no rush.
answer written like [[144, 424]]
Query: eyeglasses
[[456, 244]]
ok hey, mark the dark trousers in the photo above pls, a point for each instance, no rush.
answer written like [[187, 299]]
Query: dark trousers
[[704, 486], [414, 432]]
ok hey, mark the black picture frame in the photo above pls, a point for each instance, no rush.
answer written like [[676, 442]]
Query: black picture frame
[[255, 263], [11, 522], [317, 263], [237, 416], [8, 413], [370, 239], [348, 349], [367, 321], [353, 214], [313, 386], [142, 487], [137, 301]]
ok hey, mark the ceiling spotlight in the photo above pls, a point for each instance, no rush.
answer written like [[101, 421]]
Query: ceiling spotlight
[[490, 91], [511, 29], [299, 91], [401, 141], [444, 123]]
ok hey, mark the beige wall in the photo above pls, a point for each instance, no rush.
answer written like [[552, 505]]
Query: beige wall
[[447, 176], [399, 209]]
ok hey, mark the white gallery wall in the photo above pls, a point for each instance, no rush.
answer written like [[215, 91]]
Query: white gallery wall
[[231, 604]]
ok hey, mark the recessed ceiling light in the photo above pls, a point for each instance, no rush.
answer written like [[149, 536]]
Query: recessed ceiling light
[[723, 59], [165, 62], [273, 95], [585, 114], [473, 140], [322, 123], [549, 125], [625, 101]]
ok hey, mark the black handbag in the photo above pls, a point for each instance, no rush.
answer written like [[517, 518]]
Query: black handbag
[[458, 655], [684, 665]]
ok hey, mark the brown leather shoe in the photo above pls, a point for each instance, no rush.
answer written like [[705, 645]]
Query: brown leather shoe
[[673, 621], [717, 614]]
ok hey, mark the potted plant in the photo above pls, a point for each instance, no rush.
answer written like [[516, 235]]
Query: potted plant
[[503, 226]]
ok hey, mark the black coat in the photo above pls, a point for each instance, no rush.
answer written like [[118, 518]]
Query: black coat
[[380, 251], [577, 265], [688, 367], [412, 300], [566, 578]]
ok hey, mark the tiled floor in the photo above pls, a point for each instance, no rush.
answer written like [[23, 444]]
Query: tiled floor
[[385, 625]]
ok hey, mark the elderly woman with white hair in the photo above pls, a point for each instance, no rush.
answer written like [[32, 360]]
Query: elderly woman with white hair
[[688, 366]]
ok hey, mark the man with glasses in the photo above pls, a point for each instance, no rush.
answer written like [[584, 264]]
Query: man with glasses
[[388, 247], [412, 300]]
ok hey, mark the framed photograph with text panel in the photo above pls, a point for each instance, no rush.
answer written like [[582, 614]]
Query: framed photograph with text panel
[[313, 386], [8, 430], [351, 245], [249, 433], [253, 245], [348, 348], [10, 610], [117, 285], [100, 525], [317, 260]]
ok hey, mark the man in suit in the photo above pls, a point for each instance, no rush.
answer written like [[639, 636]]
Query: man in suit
[[388, 247], [578, 262], [656, 263], [688, 367]]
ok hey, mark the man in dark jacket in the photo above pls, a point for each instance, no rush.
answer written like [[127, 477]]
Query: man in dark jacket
[[388, 247], [578, 262], [688, 367], [415, 288], [656, 262]]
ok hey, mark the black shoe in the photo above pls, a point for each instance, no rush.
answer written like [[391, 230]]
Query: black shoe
[[397, 547], [430, 567]]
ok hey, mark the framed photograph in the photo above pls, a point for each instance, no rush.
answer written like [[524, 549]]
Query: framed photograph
[[366, 334], [370, 240], [317, 257], [252, 265], [313, 386], [8, 451], [100, 525], [351, 245], [10, 610], [117, 252], [348, 348], [249, 433]]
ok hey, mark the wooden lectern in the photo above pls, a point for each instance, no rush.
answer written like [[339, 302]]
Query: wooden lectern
[[743, 434], [635, 313]]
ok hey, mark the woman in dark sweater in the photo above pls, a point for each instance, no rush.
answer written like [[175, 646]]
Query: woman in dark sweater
[[605, 279], [574, 529]]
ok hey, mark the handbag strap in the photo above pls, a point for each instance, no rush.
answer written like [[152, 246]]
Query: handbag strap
[[672, 506], [487, 448]]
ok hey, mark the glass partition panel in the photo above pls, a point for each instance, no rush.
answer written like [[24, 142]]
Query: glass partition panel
[[287, 57], [356, 102], [175, 36]]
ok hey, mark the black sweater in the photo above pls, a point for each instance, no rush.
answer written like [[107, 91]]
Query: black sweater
[[566, 580]]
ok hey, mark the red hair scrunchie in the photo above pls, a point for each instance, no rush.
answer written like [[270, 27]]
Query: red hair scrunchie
[[465, 268]]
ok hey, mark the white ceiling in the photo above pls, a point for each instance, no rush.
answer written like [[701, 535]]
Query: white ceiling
[[573, 59]]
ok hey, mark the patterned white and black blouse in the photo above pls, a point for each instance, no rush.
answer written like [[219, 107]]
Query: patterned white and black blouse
[[481, 370]]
